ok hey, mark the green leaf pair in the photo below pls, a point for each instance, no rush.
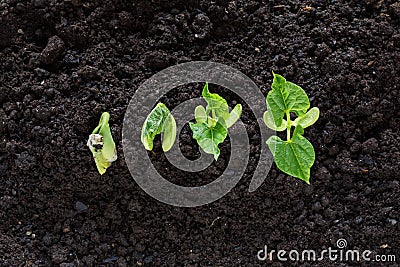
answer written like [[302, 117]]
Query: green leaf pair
[[210, 131], [296, 155], [102, 145], [160, 120]]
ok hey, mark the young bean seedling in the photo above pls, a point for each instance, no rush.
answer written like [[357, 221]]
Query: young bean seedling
[[210, 131], [102, 145], [160, 120], [295, 155]]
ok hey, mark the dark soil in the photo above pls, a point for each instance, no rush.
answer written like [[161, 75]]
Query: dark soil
[[64, 62]]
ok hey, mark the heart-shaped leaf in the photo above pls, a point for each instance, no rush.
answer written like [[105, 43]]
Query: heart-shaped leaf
[[294, 157], [208, 137], [286, 97]]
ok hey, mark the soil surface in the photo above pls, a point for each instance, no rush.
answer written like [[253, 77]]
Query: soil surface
[[64, 62]]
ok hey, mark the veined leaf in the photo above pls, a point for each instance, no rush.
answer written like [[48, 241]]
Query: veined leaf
[[308, 119], [159, 120], [286, 97], [234, 115], [209, 138], [215, 103], [294, 157], [212, 123]]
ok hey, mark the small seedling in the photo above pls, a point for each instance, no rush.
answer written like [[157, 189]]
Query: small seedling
[[296, 155], [210, 131], [102, 145], [160, 120]]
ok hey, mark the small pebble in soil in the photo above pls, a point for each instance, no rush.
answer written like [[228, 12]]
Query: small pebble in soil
[[80, 207], [391, 221], [358, 220]]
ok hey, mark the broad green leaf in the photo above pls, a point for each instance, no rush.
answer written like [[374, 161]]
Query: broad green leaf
[[200, 114], [308, 119], [155, 123], [234, 115], [286, 97], [102, 145], [294, 157], [269, 121], [216, 103], [211, 124], [209, 138], [169, 133]]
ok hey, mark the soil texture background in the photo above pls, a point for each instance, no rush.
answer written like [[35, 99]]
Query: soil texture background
[[62, 63]]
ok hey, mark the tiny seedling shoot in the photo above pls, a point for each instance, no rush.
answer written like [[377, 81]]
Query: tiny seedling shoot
[[210, 131], [102, 145], [160, 120], [295, 155]]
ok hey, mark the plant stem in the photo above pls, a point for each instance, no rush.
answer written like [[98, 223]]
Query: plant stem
[[288, 125]]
